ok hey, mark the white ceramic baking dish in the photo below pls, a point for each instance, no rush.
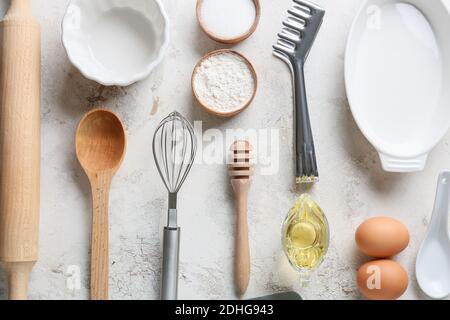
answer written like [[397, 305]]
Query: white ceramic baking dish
[[397, 76], [115, 42]]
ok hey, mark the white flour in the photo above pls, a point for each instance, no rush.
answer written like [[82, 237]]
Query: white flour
[[224, 82]]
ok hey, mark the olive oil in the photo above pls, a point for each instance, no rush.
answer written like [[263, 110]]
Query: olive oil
[[305, 234]]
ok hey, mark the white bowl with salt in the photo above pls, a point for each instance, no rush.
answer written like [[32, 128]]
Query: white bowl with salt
[[228, 21]]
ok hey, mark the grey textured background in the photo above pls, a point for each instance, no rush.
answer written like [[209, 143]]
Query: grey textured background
[[353, 186]]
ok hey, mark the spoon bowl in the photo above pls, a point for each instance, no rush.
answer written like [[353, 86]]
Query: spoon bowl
[[433, 259], [100, 148], [100, 141], [433, 268]]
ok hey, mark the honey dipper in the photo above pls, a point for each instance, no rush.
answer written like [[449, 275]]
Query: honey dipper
[[240, 171]]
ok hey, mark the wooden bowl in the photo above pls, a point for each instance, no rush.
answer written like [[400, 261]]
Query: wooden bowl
[[229, 40], [208, 108]]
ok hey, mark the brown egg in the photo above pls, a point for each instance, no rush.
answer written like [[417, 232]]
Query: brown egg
[[382, 237], [382, 280]]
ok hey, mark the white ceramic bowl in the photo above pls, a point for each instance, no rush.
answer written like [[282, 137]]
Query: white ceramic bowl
[[397, 75], [115, 42]]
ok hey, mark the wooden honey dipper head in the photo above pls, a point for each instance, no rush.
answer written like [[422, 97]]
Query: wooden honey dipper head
[[240, 167]]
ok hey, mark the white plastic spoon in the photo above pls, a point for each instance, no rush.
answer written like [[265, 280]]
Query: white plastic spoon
[[433, 260]]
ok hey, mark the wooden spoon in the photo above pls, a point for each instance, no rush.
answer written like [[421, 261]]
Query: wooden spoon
[[100, 147]]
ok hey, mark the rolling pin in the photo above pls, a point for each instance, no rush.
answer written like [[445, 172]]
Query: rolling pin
[[20, 62]]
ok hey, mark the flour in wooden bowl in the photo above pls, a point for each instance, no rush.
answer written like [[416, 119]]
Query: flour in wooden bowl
[[224, 82]]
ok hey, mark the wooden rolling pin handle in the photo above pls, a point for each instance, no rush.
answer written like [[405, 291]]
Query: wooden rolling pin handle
[[242, 249], [19, 144], [100, 184], [18, 276], [22, 6]]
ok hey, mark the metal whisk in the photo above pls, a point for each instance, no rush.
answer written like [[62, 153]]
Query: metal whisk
[[174, 149]]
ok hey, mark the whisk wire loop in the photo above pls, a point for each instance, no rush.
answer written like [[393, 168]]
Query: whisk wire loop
[[174, 149]]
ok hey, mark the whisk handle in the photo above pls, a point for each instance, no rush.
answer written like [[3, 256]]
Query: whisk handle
[[171, 246]]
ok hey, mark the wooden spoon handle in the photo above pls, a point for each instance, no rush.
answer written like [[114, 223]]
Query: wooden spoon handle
[[242, 250], [100, 237]]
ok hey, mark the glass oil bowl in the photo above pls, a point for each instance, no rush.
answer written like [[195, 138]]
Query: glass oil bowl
[[305, 236]]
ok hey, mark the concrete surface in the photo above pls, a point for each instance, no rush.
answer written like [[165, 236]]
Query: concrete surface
[[353, 186]]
